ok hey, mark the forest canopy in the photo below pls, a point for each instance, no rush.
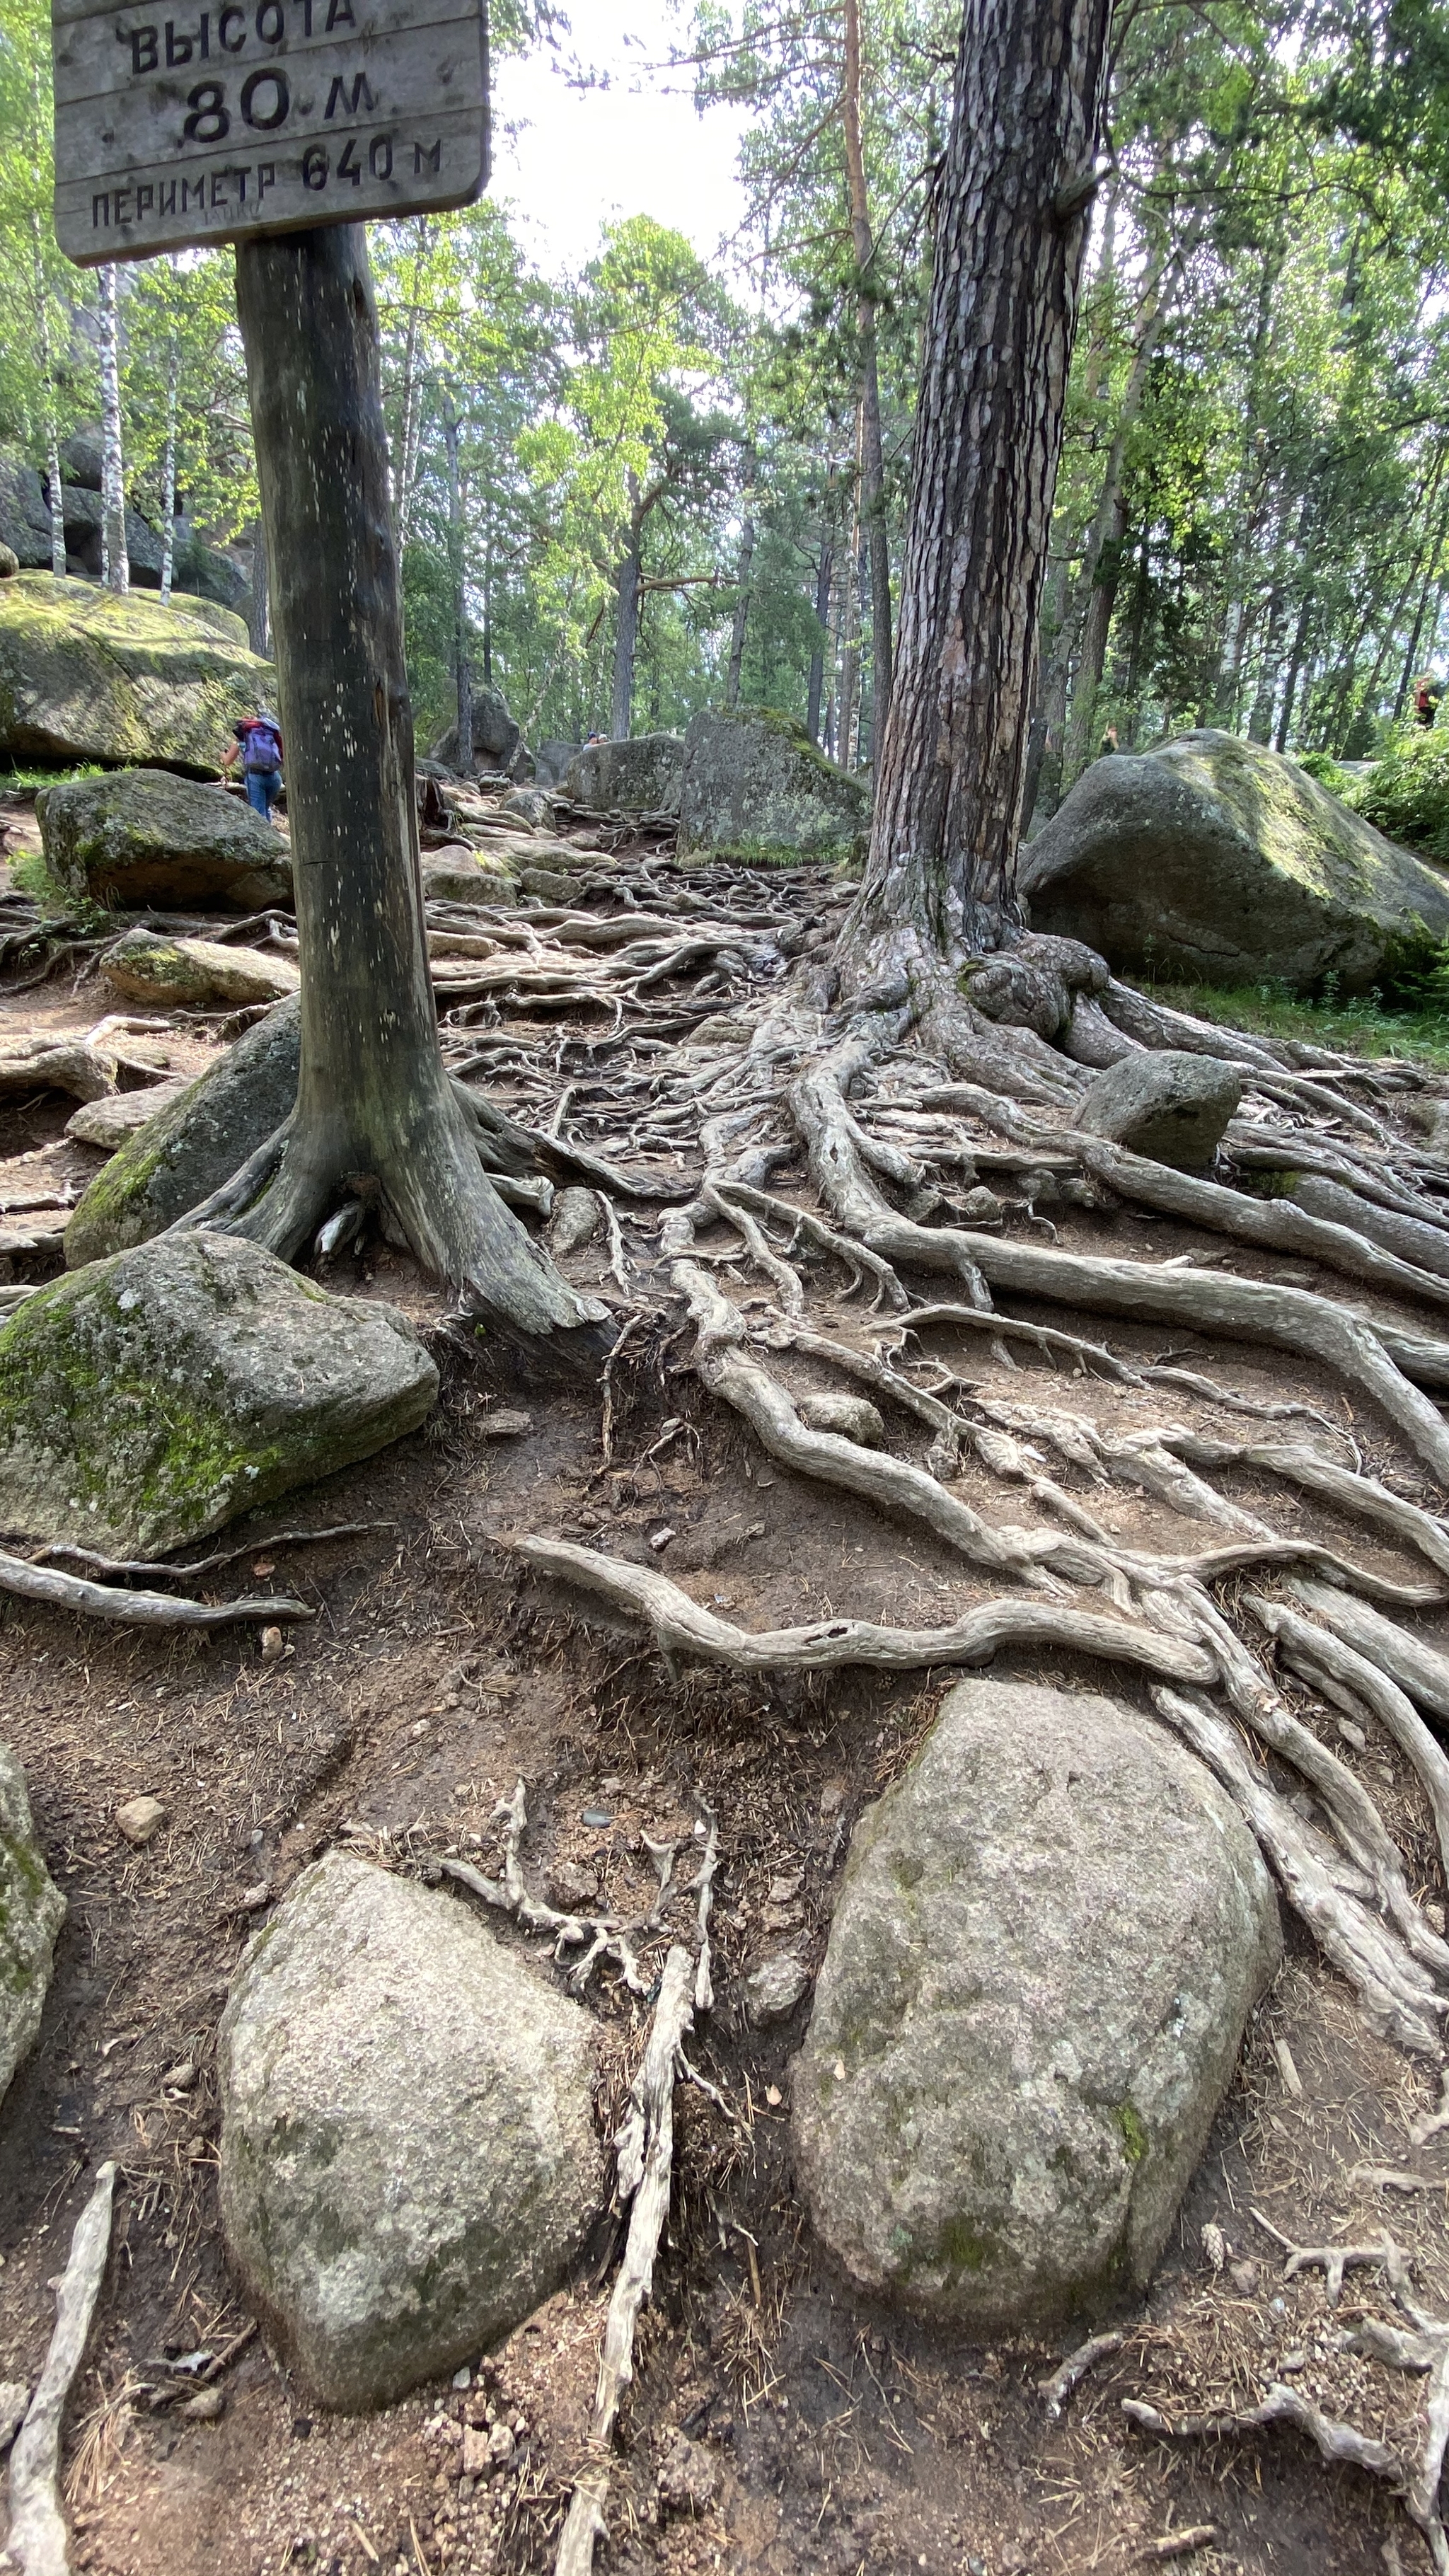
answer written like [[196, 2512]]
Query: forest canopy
[[663, 482]]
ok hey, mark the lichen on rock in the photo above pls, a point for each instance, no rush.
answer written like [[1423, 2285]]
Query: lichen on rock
[[32, 1911], [88, 675]]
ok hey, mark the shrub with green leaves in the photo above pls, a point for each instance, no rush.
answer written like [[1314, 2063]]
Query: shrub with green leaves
[[1407, 795]]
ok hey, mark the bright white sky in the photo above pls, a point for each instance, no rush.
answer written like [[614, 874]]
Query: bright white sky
[[579, 157]]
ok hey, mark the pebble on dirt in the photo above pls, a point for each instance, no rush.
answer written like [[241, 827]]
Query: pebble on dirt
[[774, 1988], [32, 1911], [1050, 1933], [408, 2155], [141, 1819], [1172, 1108]]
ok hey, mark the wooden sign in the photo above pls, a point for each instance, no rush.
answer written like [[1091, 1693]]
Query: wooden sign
[[187, 124]]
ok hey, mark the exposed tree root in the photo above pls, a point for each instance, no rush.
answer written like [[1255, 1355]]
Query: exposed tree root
[[681, 1626], [141, 1609], [1411, 1661], [38, 2540]]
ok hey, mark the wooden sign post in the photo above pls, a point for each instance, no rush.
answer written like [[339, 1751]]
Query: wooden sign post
[[241, 117], [282, 120]]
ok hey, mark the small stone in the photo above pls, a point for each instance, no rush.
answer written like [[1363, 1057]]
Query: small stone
[[688, 2478], [273, 1646], [141, 1818], [475, 2450], [1172, 1108], [1352, 1734], [14, 2398], [502, 2443], [463, 2378], [849, 1416], [179, 2079], [1245, 2277], [204, 2408], [774, 1988], [832, 1798], [661, 1539], [575, 1221], [507, 1424]]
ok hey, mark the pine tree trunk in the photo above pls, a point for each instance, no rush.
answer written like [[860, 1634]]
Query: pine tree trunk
[[376, 1115], [457, 573], [115, 562], [626, 641], [741, 618], [1015, 182], [872, 459], [823, 571]]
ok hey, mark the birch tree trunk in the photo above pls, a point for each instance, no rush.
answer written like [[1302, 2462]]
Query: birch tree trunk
[[872, 460], [115, 562], [376, 1117], [940, 881], [168, 477]]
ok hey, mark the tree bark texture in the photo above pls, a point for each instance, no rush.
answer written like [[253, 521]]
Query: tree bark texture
[[168, 477], [740, 622], [628, 580], [872, 457], [823, 573], [1015, 184], [115, 562], [376, 1115], [457, 572]]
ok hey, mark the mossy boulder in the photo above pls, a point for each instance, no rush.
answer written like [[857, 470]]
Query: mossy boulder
[[636, 774], [24, 515], [408, 2157], [32, 1911], [86, 675], [143, 836], [756, 788], [152, 1397], [195, 1141], [1049, 1936], [191, 973], [1216, 859]]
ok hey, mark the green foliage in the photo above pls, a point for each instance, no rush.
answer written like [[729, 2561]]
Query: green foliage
[[1407, 794], [1365, 1026]]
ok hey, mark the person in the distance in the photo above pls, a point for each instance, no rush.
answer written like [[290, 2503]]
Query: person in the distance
[[258, 746]]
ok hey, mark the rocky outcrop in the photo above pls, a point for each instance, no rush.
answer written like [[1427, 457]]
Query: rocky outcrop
[[755, 787], [637, 775], [1173, 1108], [32, 1911], [88, 676], [1049, 1936], [408, 2160], [113, 1120], [496, 737], [1218, 860], [458, 874], [193, 1143], [143, 836], [193, 973], [551, 762], [149, 1398], [83, 512], [24, 516]]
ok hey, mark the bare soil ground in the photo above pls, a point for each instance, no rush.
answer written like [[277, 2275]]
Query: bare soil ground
[[434, 1676]]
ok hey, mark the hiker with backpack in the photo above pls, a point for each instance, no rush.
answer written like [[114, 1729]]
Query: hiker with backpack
[[258, 746]]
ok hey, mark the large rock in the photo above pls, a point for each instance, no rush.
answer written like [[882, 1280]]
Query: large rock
[[32, 1911], [639, 775], [408, 2161], [151, 1397], [495, 735], [755, 787], [458, 874], [195, 972], [193, 1143], [1049, 1936], [83, 513], [144, 836], [1215, 859], [1173, 1108], [209, 571], [85, 675], [82, 457], [114, 1119], [551, 762], [24, 516]]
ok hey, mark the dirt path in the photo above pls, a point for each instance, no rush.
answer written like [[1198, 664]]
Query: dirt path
[[434, 1676]]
